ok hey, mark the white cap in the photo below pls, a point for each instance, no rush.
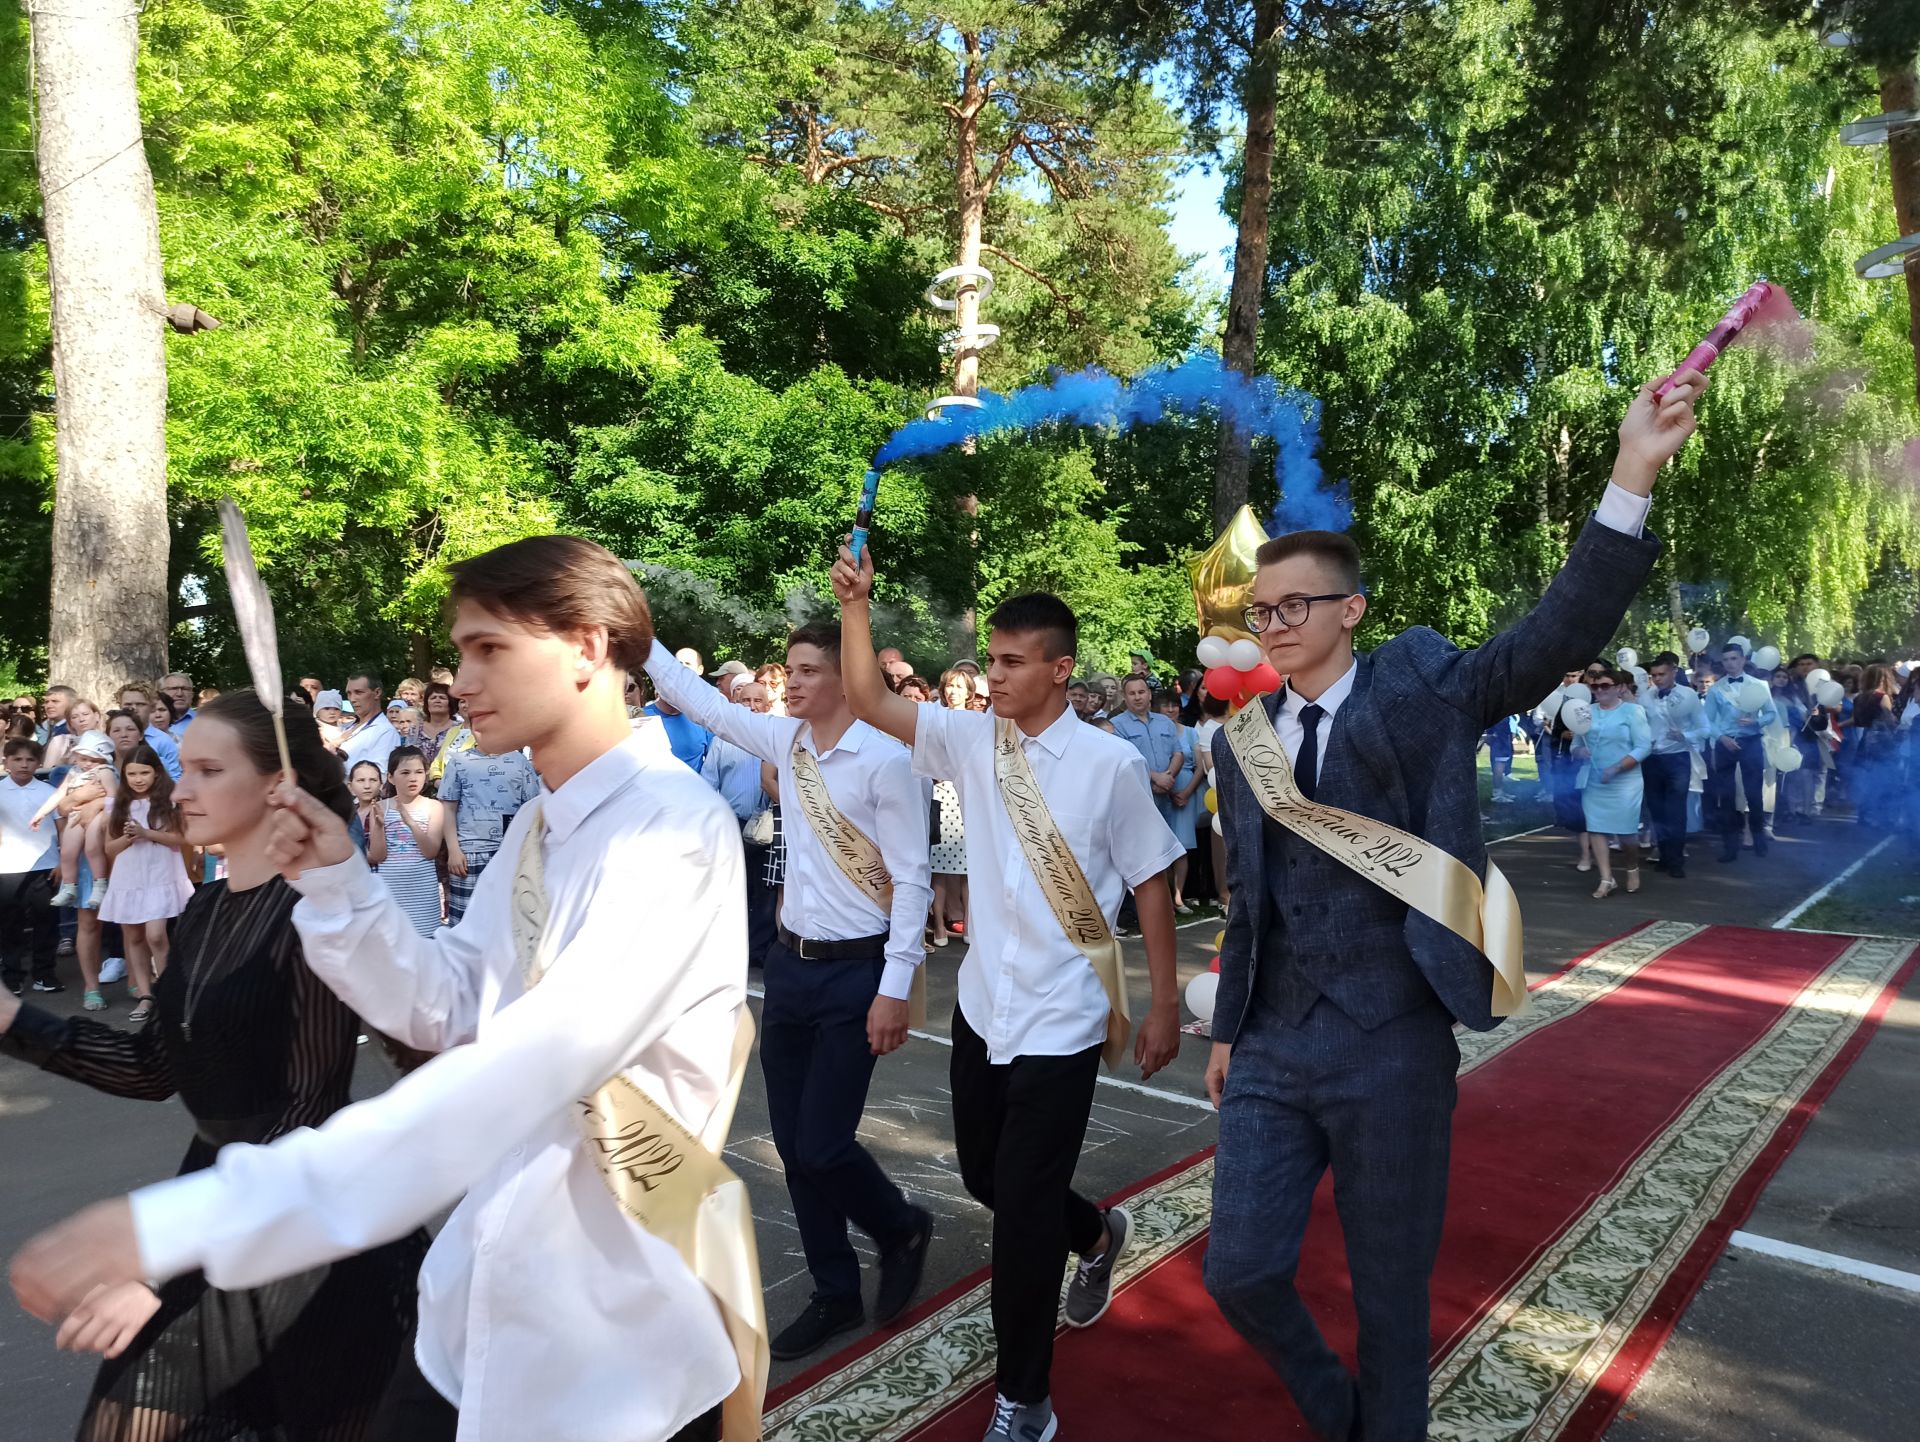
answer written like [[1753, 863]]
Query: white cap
[[329, 698]]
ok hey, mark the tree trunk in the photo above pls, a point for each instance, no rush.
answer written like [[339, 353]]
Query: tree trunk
[[109, 360], [1900, 90], [1239, 346], [971, 205]]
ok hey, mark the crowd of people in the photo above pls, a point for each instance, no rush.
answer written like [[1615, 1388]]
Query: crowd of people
[[547, 884], [1635, 761]]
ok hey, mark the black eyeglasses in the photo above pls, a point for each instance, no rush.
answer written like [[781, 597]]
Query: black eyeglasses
[[1603, 686], [1292, 612]]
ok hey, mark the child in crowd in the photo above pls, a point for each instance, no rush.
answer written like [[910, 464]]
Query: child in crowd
[[368, 826], [90, 783], [146, 842], [415, 834]]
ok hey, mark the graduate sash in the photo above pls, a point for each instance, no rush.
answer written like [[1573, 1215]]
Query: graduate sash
[[854, 852], [1062, 882], [1413, 870], [670, 1181]]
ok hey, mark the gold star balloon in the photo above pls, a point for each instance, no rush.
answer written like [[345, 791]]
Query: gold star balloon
[[1222, 577]]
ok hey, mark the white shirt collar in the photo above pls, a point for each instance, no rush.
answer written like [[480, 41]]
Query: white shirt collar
[[584, 792], [1057, 736], [1328, 700]]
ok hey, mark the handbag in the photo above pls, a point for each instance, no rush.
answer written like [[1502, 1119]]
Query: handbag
[[759, 828]]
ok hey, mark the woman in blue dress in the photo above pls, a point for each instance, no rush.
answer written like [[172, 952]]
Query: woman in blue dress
[[1613, 750], [1178, 808]]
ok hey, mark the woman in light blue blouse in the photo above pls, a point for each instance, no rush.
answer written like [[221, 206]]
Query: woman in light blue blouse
[[1613, 750]]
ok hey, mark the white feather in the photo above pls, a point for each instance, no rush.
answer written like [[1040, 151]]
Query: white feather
[[252, 608]]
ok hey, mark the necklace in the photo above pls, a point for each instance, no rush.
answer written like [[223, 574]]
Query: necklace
[[203, 969]]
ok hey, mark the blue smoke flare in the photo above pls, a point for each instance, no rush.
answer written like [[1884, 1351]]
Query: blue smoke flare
[[1257, 407]]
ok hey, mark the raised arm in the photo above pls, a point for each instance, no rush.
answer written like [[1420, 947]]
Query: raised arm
[[867, 693], [769, 737]]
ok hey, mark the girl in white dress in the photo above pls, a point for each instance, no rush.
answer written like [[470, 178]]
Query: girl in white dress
[[146, 846]]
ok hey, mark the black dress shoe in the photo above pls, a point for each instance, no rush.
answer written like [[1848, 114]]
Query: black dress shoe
[[900, 1270], [1677, 871], [824, 1319]]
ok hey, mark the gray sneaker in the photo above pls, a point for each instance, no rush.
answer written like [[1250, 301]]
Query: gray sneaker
[[1022, 1421], [1091, 1289]]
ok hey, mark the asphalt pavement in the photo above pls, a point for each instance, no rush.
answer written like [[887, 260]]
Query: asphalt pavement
[[1770, 1348]]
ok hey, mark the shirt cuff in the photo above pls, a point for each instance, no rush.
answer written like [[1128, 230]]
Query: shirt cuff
[[170, 1219], [1621, 510], [896, 980], [329, 892]]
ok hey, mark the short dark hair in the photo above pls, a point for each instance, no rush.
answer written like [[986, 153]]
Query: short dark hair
[[563, 584], [1803, 656], [402, 754], [1333, 548], [314, 767], [1167, 697], [16, 744], [1127, 681], [372, 678], [825, 637], [1078, 684], [1733, 646], [1665, 658], [1041, 614]]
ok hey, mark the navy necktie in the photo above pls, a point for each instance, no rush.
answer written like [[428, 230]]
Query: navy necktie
[[1306, 767]]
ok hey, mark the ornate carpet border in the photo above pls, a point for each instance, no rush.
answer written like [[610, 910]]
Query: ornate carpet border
[[1538, 1353]]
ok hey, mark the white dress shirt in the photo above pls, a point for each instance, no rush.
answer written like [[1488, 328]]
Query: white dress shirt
[[1676, 718], [1287, 723], [545, 1312], [374, 740], [1025, 988], [21, 847], [870, 778]]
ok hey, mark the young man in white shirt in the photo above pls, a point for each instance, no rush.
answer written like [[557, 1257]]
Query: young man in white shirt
[[545, 1310], [838, 976], [1033, 1012], [27, 862]]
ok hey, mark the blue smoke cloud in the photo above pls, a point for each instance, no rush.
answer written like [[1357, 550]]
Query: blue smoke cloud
[[1257, 407]]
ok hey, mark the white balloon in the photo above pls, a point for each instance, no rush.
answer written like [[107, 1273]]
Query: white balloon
[[1212, 652], [1626, 656], [1816, 676], [1751, 694], [1642, 682], [1742, 642], [1698, 639], [1766, 658], [1578, 716], [1830, 693], [1201, 992], [1784, 757], [1579, 691], [1244, 655], [1683, 703], [1218, 829]]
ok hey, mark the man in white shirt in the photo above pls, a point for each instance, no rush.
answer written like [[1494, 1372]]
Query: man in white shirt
[[27, 861], [838, 976], [370, 735], [1679, 725], [545, 1310], [1033, 1012]]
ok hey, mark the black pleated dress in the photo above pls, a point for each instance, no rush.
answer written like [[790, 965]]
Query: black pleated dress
[[255, 1045]]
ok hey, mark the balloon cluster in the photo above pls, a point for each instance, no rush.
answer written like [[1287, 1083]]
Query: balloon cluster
[[1202, 990], [1236, 671]]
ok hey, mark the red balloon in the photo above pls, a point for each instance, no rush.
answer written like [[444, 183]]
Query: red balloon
[[1225, 683], [1263, 679], [1214, 965]]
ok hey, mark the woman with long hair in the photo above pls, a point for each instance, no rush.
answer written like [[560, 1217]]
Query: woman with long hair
[[439, 720], [256, 1046]]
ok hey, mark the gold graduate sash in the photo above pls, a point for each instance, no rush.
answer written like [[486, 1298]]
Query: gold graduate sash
[[1426, 877], [1062, 882], [855, 853], [671, 1182]]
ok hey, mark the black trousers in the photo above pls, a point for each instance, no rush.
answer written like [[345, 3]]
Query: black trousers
[[411, 1411], [1667, 779], [29, 926], [761, 906], [1017, 1127], [817, 1061], [1750, 761]]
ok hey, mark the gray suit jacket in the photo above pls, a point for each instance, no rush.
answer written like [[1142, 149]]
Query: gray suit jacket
[[1413, 723]]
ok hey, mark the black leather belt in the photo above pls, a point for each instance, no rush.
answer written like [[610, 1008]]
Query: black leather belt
[[858, 948]]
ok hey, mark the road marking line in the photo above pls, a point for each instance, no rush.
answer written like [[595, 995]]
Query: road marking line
[[1518, 834], [1787, 921], [1827, 1261]]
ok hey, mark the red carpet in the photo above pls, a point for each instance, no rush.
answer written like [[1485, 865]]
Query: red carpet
[[1605, 1146]]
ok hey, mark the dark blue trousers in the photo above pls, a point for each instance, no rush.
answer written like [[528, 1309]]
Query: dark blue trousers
[[1668, 778], [1376, 1106], [1750, 762], [814, 1052]]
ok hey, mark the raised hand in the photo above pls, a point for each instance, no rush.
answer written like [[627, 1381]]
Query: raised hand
[[853, 582], [305, 834], [1655, 428]]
